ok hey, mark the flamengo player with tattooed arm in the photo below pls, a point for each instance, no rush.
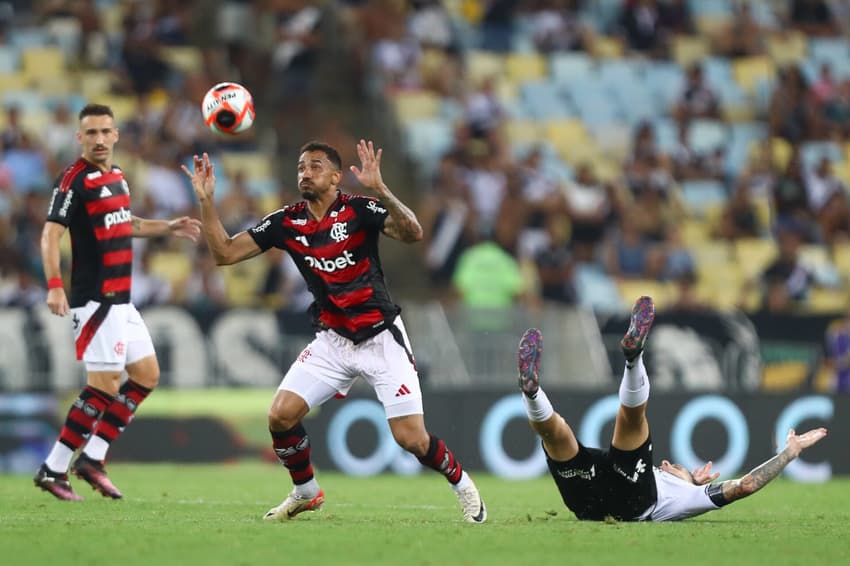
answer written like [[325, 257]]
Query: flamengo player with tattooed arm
[[622, 482], [92, 200], [333, 238]]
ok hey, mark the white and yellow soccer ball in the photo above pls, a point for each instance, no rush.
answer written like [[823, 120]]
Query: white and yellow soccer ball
[[228, 108]]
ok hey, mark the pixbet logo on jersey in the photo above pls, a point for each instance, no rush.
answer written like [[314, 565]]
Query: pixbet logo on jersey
[[330, 265], [118, 217]]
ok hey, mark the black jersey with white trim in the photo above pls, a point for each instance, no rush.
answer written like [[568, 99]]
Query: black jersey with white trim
[[338, 257], [95, 206]]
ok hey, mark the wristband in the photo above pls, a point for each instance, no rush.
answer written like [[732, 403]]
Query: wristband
[[54, 283]]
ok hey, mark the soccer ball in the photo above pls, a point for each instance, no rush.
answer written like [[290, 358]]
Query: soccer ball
[[228, 108]]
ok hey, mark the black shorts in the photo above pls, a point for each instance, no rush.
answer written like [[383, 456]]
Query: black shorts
[[596, 483]]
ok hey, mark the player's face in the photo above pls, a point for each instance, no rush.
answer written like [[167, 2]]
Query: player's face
[[316, 175], [97, 136], [677, 470]]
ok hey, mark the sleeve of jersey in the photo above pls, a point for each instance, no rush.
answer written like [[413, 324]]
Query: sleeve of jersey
[[373, 213], [64, 201], [268, 233]]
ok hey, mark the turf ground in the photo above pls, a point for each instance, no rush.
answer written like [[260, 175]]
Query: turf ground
[[211, 515]]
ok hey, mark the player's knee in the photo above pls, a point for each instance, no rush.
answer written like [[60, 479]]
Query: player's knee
[[280, 420], [414, 441]]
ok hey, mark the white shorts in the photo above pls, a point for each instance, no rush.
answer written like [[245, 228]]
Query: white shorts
[[110, 337], [330, 364]]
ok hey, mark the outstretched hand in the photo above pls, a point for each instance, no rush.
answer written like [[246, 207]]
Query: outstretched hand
[[203, 177], [796, 443], [185, 227], [703, 475], [370, 162]]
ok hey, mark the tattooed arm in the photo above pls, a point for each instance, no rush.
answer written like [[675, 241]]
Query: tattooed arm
[[183, 227], [401, 223], [755, 480]]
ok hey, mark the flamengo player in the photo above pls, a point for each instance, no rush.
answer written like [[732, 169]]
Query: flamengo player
[[92, 199], [621, 482], [333, 238]]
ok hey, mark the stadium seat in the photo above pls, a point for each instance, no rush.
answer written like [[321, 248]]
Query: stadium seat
[[184, 58], [95, 84], [754, 254], [38, 61], [567, 134], [174, 267], [699, 195], [833, 50], [9, 59], [695, 232], [569, 68], [827, 301], [428, 139], [631, 289], [688, 50], [666, 81], [812, 152], [787, 48], [748, 71], [704, 136], [415, 105], [525, 67], [482, 64], [606, 47], [255, 165], [543, 100], [523, 132]]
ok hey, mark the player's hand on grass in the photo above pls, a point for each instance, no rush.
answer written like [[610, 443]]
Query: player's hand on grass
[[185, 227], [796, 443], [703, 475], [203, 177]]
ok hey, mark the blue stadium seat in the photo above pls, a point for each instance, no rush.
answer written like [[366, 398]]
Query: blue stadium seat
[[666, 134], [831, 49], [666, 80], [568, 68], [812, 152], [543, 100], [705, 136], [9, 59], [700, 195], [427, 140], [710, 8], [742, 136]]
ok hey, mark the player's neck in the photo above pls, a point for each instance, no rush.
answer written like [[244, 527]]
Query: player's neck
[[319, 207], [102, 166]]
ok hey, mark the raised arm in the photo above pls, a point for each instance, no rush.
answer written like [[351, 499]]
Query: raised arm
[[401, 223], [755, 480], [225, 249]]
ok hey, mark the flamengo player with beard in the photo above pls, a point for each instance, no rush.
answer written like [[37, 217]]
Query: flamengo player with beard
[[333, 238], [92, 200]]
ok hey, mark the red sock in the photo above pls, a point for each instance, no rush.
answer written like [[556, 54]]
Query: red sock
[[293, 450], [120, 412], [440, 458], [82, 417]]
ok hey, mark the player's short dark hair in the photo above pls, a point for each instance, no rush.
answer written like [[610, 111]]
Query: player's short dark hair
[[330, 151], [96, 110]]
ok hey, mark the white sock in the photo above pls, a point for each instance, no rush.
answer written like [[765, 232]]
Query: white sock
[[540, 408], [96, 448], [309, 489], [464, 481], [59, 458], [634, 388]]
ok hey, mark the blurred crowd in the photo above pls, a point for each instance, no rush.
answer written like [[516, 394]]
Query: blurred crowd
[[505, 225]]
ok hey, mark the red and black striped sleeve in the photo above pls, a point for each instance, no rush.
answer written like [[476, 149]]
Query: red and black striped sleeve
[[66, 197], [268, 233]]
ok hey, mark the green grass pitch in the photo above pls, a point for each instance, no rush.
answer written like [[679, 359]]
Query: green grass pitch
[[210, 514]]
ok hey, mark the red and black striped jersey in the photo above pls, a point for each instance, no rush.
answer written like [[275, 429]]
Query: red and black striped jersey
[[338, 257], [95, 206]]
